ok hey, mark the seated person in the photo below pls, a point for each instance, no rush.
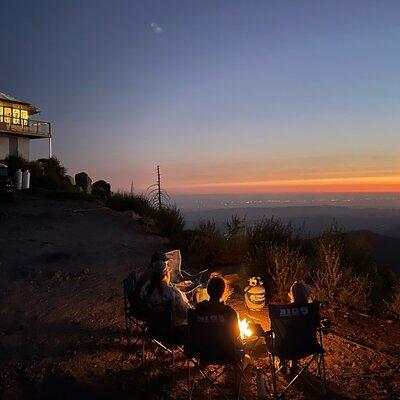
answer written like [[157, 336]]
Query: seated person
[[158, 290], [299, 293], [216, 289], [146, 274]]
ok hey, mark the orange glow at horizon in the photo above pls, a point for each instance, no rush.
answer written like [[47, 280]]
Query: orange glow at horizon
[[372, 172], [310, 185]]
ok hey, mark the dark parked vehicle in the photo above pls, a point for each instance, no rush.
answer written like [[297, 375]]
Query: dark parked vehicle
[[6, 185]]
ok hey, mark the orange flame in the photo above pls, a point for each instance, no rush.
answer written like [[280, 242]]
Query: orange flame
[[245, 331]]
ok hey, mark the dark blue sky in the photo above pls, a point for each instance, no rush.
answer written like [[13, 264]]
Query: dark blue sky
[[214, 91]]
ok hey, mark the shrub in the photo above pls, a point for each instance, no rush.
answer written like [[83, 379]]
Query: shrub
[[393, 306], [54, 165], [336, 284], [286, 264], [204, 244], [45, 173], [169, 222], [37, 172], [267, 232], [235, 226], [53, 176], [234, 250], [358, 255], [15, 162], [121, 201], [261, 237]]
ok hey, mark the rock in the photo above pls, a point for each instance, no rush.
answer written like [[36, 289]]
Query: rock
[[83, 181], [70, 179], [101, 188]]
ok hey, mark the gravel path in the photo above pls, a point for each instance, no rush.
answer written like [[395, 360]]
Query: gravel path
[[62, 264]]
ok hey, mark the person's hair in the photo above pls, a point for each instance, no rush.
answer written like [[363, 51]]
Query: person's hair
[[155, 257], [216, 287], [157, 277], [300, 292]]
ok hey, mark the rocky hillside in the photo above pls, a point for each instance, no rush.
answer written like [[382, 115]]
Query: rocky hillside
[[61, 315]]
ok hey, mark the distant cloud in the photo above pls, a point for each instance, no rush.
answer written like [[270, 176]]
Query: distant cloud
[[156, 28]]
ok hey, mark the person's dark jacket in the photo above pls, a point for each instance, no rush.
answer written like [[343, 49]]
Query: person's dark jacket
[[219, 308]]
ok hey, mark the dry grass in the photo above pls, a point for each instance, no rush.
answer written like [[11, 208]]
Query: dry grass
[[336, 284], [393, 306], [286, 265], [167, 221]]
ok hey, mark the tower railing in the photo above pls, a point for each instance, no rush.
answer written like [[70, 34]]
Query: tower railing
[[28, 127]]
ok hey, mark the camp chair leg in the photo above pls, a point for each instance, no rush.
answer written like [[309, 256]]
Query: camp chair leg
[[221, 370], [171, 351], [172, 366], [211, 380], [188, 377], [239, 375], [298, 375], [324, 383], [273, 375], [191, 384]]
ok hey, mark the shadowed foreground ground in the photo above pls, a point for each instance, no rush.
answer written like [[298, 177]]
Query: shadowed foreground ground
[[61, 319]]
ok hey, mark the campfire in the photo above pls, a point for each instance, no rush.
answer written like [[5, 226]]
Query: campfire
[[245, 331]]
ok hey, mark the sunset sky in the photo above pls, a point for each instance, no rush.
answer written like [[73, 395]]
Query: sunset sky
[[227, 96]]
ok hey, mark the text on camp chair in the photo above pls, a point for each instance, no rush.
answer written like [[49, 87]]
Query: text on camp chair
[[212, 343]]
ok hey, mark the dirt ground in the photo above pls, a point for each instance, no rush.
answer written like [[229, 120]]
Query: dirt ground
[[61, 314]]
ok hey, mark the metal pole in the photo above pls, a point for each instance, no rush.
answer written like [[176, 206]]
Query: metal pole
[[50, 149]]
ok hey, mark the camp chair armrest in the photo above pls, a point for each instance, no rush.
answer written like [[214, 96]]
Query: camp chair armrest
[[187, 273], [192, 290]]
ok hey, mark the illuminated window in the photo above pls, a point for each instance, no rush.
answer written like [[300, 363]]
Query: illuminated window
[[7, 114], [1, 114], [16, 116], [24, 117]]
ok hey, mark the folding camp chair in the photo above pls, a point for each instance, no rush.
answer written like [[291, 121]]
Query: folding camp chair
[[161, 333], [133, 309], [296, 334], [211, 348], [182, 278]]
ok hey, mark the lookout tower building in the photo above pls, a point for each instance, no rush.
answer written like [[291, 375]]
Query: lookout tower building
[[17, 128]]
